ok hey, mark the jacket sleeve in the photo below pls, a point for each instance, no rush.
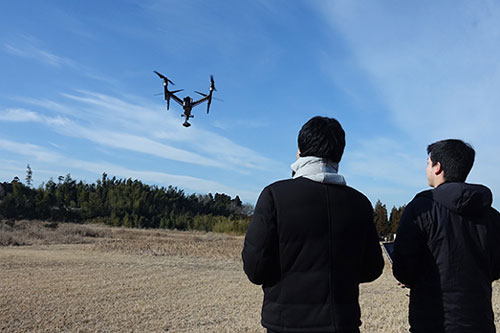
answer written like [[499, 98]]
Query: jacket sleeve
[[409, 247], [373, 261], [261, 248]]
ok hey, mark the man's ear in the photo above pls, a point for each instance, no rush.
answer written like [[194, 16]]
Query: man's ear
[[438, 169]]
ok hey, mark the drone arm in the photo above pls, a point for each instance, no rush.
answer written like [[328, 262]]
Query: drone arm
[[176, 99], [209, 102], [200, 100]]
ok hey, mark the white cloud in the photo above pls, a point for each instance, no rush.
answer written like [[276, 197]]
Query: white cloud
[[28, 47], [223, 152], [110, 138], [32, 52], [29, 150], [116, 123], [20, 115], [46, 104], [139, 144]]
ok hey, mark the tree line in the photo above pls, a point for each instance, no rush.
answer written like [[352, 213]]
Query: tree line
[[122, 202], [131, 203]]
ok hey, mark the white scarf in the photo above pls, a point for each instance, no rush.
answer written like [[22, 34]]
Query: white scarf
[[318, 170]]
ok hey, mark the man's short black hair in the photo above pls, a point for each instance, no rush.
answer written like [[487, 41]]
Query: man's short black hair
[[322, 137], [456, 158]]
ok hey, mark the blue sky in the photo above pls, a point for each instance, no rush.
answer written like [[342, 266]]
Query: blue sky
[[77, 89]]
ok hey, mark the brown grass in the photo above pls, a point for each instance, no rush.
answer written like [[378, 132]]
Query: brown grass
[[123, 280], [37, 232]]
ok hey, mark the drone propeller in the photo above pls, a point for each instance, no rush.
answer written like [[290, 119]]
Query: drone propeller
[[164, 78], [175, 91], [205, 95], [212, 82]]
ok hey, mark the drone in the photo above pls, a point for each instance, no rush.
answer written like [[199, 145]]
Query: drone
[[187, 103]]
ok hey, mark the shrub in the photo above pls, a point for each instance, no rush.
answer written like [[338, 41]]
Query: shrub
[[231, 226]]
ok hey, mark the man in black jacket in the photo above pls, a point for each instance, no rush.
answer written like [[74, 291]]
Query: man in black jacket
[[312, 240], [447, 248]]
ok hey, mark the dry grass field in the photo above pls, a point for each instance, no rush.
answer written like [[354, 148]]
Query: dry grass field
[[87, 278]]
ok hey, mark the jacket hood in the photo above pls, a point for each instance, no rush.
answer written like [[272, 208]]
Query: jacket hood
[[318, 170], [462, 198]]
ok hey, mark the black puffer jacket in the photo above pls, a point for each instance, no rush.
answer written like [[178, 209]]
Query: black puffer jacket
[[447, 250], [310, 245]]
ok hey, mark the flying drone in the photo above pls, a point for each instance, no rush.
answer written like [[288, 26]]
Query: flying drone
[[187, 102]]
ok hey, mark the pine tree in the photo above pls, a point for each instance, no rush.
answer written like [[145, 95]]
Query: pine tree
[[395, 217], [380, 219], [29, 176]]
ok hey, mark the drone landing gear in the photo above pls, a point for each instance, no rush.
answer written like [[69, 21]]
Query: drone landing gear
[[187, 116]]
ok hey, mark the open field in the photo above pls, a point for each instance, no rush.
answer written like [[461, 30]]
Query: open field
[[123, 280]]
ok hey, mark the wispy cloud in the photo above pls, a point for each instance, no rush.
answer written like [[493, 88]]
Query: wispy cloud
[[30, 150], [20, 115], [32, 52], [219, 151], [29, 47], [110, 138], [225, 150], [23, 115], [116, 123], [46, 104]]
